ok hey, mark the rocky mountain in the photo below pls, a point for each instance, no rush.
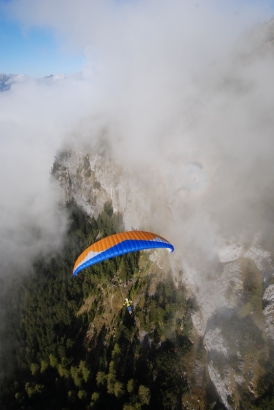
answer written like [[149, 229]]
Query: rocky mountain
[[270, 31], [6, 81], [231, 296], [233, 324]]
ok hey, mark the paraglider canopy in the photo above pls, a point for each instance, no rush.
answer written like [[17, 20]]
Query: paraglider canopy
[[119, 244]]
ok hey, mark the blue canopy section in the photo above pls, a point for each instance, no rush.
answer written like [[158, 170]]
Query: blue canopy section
[[122, 248]]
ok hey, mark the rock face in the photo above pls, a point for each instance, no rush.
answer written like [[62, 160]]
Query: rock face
[[213, 340], [236, 333], [93, 180], [6, 81], [270, 32], [234, 317], [268, 299]]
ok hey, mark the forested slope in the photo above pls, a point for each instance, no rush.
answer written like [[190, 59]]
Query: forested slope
[[74, 345]]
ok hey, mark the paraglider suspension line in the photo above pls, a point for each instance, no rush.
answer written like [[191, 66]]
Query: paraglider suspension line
[[120, 289]]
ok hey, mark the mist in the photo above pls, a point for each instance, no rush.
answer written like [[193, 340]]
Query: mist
[[35, 117], [183, 92]]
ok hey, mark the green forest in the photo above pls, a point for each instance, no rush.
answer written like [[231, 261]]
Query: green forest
[[68, 349], [68, 342]]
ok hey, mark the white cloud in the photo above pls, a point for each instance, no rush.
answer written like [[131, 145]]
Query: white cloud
[[175, 83], [34, 119]]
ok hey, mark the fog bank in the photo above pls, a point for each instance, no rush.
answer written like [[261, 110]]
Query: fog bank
[[183, 93]]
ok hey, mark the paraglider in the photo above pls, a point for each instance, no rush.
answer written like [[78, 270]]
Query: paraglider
[[119, 244], [128, 304]]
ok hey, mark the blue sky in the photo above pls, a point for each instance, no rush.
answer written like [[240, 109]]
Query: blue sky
[[36, 52]]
